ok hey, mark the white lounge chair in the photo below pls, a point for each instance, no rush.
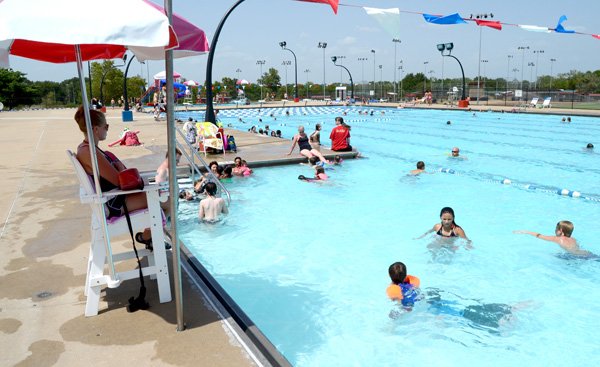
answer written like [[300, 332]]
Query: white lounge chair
[[546, 103], [533, 102], [152, 218]]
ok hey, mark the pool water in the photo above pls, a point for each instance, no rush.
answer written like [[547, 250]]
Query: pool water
[[308, 261]]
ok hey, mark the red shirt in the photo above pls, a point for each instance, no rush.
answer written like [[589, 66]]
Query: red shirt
[[339, 138]]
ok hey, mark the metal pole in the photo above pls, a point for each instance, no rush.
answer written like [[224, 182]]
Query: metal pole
[[125, 84], [507, 77], [373, 51], [90, 76], [173, 184], [95, 170], [479, 65], [210, 113]]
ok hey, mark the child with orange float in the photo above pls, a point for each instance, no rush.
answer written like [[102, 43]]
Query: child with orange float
[[404, 287]]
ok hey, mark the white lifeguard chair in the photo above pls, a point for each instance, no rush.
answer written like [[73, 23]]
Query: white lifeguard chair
[[152, 218]]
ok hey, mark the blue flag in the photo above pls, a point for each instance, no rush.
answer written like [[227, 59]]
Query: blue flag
[[559, 28], [448, 19]]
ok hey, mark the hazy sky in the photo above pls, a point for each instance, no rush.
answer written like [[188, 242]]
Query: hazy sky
[[255, 28]]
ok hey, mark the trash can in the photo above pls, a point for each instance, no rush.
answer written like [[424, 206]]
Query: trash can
[[127, 116]]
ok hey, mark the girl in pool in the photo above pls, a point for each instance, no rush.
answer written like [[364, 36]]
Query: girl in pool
[[447, 227], [305, 148], [320, 175]]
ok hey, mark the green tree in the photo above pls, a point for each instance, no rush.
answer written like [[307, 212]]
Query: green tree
[[15, 89], [271, 80]]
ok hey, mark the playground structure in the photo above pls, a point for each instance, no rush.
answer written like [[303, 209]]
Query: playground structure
[[158, 90]]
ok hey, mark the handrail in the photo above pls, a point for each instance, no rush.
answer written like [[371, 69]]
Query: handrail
[[195, 168]]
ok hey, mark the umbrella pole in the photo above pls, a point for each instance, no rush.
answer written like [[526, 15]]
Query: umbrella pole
[[173, 184], [114, 281]]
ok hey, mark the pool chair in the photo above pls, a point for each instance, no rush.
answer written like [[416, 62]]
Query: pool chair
[[152, 217], [546, 103], [209, 137], [533, 102]]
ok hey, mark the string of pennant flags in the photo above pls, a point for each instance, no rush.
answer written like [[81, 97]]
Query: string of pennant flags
[[389, 19]]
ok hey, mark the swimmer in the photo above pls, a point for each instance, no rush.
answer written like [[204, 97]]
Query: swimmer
[[337, 160], [305, 148], [211, 207], [456, 154], [448, 122], [319, 175], [447, 227], [404, 288], [420, 168], [590, 146], [562, 237]]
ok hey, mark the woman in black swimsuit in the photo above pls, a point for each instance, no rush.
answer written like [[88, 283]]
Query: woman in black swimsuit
[[447, 227], [109, 167], [305, 148]]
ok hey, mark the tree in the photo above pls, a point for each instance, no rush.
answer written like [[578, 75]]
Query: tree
[[271, 80], [15, 89]]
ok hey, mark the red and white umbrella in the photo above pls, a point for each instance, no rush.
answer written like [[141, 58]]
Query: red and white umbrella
[[48, 30], [163, 75], [190, 83], [192, 40], [242, 82]]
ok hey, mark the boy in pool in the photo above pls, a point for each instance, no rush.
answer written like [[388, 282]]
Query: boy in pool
[[562, 237], [211, 207], [420, 168], [404, 288]]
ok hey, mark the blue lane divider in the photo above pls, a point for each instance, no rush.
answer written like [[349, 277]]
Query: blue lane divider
[[528, 186]]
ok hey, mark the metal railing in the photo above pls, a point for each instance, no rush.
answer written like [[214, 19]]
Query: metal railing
[[195, 170]]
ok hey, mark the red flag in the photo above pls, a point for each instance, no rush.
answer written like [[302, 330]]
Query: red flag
[[489, 23], [333, 3], [596, 36]]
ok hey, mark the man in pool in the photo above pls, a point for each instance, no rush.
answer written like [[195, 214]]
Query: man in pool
[[456, 154], [562, 237], [420, 168], [211, 207]]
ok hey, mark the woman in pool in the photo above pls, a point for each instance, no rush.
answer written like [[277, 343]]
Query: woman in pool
[[447, 227], [305, 148]]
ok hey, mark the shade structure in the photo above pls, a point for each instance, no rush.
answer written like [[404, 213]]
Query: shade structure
[[242, 82], [190, 83], [192, 40], [48, 30], [163, 75]]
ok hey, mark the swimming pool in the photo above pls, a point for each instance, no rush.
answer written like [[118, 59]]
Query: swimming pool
[[308, 262]]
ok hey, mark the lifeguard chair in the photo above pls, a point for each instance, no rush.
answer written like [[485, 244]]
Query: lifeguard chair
[[100, 255]]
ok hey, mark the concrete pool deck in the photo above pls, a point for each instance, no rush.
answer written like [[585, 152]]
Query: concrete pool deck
[[45, 235]]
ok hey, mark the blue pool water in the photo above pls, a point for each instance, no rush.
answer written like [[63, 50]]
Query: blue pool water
[[308, 262]]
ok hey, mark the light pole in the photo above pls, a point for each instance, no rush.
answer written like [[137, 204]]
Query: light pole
[[362, 62], [484, 62], [431, 73], [507, 77], [283, 45], [333, 58], [515, 70], [381, 80], [125, 81], [448, 47], [238, 71], [551, 75], [425, 76], [307, 71], [522, 48], [260, 63], [531, 65], [286, 63], [340, 58], [401, 68], [373, 51], [323, 45], [396, 42], [537, 62], [480, 16]]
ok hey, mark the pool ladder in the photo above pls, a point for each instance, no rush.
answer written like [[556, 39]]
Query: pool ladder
[[193, 153]]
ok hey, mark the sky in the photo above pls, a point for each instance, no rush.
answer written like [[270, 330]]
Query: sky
[[253, 32]]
